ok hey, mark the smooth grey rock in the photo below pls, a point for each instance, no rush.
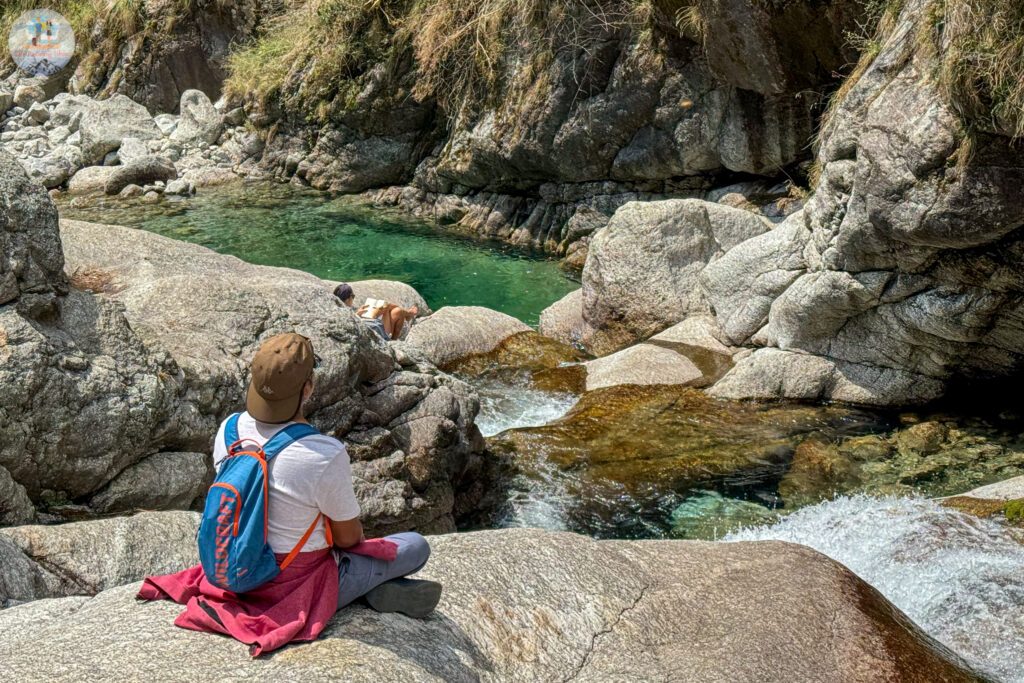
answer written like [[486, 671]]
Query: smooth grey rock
[[178, 186], [139, 172], [699, 330], [643, 364], [642, 269], [131, 190], [131, 150], [103, 124], [771, 373], [58, 135], [151, 197], [163, 481], [90, 179], [38, 113], [563, 321], [85, 558], [456, 332], [27, 95], [6, 101], [56, 166], [166, 123], [522, 604], [741, 286], [200, 124], [1008, 489]]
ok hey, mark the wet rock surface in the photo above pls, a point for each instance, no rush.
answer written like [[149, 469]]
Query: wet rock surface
[[624, 457]]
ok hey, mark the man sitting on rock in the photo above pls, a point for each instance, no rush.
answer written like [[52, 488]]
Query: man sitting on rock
[[387, 321], [308, 479]]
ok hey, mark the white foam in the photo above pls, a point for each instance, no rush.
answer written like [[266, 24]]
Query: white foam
[[959, 577], [508, 406]]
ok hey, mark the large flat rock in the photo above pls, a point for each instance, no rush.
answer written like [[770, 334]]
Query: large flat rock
[[524, 605], [457, 332]]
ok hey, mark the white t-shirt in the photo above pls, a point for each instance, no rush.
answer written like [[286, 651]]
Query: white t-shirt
[[310, 476]]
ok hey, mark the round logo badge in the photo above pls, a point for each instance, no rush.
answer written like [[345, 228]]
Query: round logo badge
[[41, 42]]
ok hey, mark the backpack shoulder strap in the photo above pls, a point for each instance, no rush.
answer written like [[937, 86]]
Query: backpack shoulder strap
[[231, 430], [286, 437]]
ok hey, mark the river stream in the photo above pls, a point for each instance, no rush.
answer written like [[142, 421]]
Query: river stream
[[663, 465]]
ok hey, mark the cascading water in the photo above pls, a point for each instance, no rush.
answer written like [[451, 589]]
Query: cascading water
[[959, 577], [512, 406]]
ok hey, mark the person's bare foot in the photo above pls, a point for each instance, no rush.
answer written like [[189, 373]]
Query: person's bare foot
[[412, 312]]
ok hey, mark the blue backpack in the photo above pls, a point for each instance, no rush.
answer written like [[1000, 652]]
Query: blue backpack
[[232, 536]]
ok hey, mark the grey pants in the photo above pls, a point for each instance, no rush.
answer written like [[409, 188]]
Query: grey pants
[[358, 574]]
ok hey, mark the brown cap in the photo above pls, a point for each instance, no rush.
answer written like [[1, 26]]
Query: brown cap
[[280, 369]]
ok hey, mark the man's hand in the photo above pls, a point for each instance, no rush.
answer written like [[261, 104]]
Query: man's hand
[[362, 309], [348, 533]]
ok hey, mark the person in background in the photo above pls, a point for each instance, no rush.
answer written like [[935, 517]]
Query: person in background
[[389, 321]]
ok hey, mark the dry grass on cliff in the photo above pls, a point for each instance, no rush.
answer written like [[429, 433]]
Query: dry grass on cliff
[[315, 56], [109, 21], [982, 66]]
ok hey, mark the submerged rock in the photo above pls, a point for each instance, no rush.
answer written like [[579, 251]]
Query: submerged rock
[[526, 358], [527, 603], [631, 445], [938, 458]]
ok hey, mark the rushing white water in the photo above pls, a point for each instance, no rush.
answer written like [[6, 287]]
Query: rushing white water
[[508, 406], [959, 577]]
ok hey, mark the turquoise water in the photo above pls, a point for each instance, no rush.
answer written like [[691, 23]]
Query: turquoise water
[[345, 238]]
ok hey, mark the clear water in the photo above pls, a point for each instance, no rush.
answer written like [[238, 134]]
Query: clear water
[[959, 577], [344, 238]]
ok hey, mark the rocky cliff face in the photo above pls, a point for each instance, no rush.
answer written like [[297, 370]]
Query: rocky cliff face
[[157, 50], [594, 104], [114, 384], [905, 272], [899, 276]]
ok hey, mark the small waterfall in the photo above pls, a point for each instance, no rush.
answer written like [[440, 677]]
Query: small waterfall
[[959, 577], [511, 406]]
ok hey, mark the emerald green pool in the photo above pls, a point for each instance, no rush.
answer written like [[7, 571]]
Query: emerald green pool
[[345, 238]]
